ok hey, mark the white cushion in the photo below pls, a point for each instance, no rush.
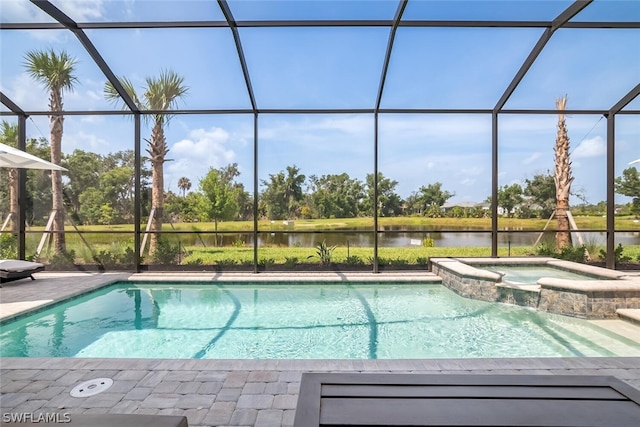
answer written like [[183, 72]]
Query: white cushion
[[15, 265]]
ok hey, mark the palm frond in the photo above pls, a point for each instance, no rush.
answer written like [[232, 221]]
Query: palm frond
[[162, 93], [111, 94], [54, 70]]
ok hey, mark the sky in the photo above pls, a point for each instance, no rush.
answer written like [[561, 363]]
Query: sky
[[341, 68]]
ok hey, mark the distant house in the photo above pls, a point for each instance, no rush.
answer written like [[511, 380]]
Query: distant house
[[465, 205]]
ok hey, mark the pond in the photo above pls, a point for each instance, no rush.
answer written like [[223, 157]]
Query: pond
[[397, 237]]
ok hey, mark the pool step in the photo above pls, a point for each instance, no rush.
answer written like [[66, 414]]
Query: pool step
[[629, 314]]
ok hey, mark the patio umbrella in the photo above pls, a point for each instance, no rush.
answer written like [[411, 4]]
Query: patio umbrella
[[635, 161], [13, 158]]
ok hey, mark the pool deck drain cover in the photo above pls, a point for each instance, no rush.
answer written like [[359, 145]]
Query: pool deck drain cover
[[91, 387]]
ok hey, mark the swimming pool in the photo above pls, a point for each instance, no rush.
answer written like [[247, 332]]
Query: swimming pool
[[283, 321]]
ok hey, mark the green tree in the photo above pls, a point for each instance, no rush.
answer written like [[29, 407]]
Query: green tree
[[429, 200], [107, 214], [117, 186], [336, 196], [542, 191], [84, 171], [509, 197], [9, 136], [221, 196], [272, 197], [56, 72], [629, 185], [389, 203], [242, 198], [160, 94], [193, 207], [38, 202], [91, 200], [283, 194]]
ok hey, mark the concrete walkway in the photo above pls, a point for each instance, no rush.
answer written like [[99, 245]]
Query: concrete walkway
[[218, 392]]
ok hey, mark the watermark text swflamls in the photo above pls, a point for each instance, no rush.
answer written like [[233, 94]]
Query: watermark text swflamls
[[31, 417]]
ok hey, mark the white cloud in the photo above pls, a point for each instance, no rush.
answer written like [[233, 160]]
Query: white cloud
[[23, 11], [92, 119], [81, 10], [593, 147], [203, 149], [532, 158], [83, 141], [23, 91]]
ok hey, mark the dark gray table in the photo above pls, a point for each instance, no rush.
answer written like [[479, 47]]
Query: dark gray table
[[335, 399]]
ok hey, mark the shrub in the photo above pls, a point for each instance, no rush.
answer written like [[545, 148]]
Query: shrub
[[575, 254], [354, 260], [106, 259], [227, 262], [266, 262], [194, 261], [166, 252], [8, 246], [398, 262], [423, 261], [128, 257], [324, 252], [381, 261], [290, 262], [63, 261], [428, 242], [570, 253], [617, 254]]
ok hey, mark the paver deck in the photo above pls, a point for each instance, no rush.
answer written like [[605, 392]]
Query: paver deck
[[219, 392]]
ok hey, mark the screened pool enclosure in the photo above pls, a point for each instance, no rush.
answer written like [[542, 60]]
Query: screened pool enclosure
[[305, 135]]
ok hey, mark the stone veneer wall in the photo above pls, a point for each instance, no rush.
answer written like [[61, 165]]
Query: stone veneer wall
[[483, 289], [588, 304], [597, 299]]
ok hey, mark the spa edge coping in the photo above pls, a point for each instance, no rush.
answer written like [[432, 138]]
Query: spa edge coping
[[612, 281]]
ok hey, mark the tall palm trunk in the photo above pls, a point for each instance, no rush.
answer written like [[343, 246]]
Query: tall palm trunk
[[562, 177], [157, 151], [55, 123]]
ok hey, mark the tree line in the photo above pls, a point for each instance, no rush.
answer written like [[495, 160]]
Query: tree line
[[99, 189]]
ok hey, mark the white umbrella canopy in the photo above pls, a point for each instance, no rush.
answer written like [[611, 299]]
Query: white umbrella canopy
[[13, 158], [635, 161]]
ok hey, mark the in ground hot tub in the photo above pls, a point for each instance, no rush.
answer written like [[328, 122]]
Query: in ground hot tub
[[547, 284]]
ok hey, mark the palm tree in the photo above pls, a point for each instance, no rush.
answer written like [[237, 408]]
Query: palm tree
[[184, 184], [9, 136], [56, 72], [562, 177], [160, 94]]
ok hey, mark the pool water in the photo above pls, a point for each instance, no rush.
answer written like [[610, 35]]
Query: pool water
[[275, 321], [531, 274]]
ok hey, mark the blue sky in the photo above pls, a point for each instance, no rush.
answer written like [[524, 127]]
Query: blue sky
[[341, 68]]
